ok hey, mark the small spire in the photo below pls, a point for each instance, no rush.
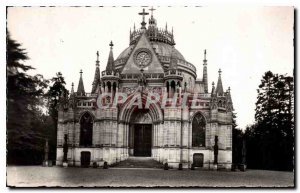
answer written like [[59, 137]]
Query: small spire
[[96, 81], [110, 67], [172, 30], [229, 89], [80, 88], [204, 56], [219, 89], [166, 26], [134, 27]]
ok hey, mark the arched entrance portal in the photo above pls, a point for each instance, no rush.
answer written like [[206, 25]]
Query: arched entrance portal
[[140, 125], [140, 133]]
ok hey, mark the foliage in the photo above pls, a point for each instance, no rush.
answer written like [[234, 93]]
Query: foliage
[[270, 141], [56, 90], [237, 141], [25, 119]]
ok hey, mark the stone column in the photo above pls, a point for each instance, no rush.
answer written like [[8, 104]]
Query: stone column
[[77, 134]]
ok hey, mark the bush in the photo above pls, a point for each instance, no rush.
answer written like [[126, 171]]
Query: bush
[[180, 166], [166, 166], [95, 165], [105, 165]]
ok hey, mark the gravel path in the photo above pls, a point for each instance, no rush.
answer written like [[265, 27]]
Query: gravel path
[[33, 176]]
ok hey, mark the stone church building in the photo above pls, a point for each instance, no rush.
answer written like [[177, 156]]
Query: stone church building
[[182, 122]]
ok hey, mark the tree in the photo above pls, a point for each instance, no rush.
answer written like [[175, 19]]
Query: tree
[[270, 141], [56, 90], [237, 142], [24, 107]]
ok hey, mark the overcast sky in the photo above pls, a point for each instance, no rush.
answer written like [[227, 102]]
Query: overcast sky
[[244, 42]]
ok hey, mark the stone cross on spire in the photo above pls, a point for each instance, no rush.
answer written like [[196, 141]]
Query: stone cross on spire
[[152, 11], [111, 45], [220, 71], [143, 22]]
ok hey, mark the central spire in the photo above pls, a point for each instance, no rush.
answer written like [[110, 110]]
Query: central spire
[[153, 33], [143, 22]]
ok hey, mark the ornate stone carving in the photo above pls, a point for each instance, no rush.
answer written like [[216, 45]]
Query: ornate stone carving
[[143, 118]]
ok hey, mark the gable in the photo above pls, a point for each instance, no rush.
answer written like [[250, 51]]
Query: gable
[[142, 54]]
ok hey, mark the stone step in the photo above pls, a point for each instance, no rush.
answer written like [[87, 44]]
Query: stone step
[[139, 162]]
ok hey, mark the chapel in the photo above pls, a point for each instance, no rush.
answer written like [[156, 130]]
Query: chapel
[[148, 102]]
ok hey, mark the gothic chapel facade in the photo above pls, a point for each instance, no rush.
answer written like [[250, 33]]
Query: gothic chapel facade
[[186, 134]]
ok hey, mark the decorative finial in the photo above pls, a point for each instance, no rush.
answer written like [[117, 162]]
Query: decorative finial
[[81, 72], [213, 84], [229, 89], [72, 88], [205, 57], [152, 11], [97, 61], [111, 44], [166, 26], [172, 30], [220, 72], [143, 22], [134, 27], [59, 75]]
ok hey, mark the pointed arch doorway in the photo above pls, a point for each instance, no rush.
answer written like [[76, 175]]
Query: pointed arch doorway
[[140, 134]]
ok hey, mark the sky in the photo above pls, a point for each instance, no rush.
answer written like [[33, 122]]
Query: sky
[[244, 42]]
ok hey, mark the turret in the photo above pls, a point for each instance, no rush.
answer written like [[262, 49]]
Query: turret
[[152, 21], [110, 78], [173, 77], [153, 32]]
